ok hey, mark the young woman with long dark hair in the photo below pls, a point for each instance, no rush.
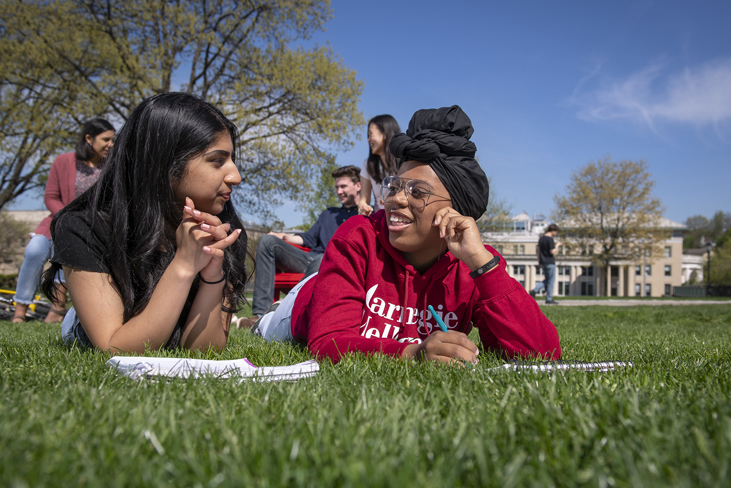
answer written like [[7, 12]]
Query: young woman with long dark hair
[[386, 281], [71, 174], [379, 164], [154, 253]]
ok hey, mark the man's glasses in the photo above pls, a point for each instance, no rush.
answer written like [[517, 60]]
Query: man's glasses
[[417, 191]]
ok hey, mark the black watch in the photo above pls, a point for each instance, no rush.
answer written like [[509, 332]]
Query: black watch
[[485, 268]]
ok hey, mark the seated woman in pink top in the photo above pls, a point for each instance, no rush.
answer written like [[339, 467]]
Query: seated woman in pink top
[[71, 174], [382, 275]]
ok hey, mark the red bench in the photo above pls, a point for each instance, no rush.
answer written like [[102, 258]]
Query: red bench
[[284, 282]]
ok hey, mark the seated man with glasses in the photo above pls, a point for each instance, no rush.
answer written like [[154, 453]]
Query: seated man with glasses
[[413, 279], [275, 252]]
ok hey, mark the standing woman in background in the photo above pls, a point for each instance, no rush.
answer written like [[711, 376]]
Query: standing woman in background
[[153, 253], [71, 174], [380, 162]]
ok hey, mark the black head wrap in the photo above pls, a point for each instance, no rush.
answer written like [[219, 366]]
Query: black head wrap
[[440, 138]]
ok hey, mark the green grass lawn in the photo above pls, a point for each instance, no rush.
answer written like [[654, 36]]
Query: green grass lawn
[[66, 419]]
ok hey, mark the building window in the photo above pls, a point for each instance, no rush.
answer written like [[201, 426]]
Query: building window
[[564, 271], [500, 249], [591, 249], [668, 252], [539, 270], [563, 288], [615, 271], [587, 271], [638, 290], [648, 270], [668, 289], [519, 270], [648, 289], [515, 249], [587, 289], [522, 249], [668, 270], [638, 270]]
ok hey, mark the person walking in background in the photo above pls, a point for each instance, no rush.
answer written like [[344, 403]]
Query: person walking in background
[[273, 251], [380, 162], [545, 251], [153, 252], [71, 174]]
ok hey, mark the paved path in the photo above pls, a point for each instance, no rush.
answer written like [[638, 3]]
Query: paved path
[[632, 303]]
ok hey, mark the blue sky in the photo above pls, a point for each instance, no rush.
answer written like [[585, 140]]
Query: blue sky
[[550, 86]]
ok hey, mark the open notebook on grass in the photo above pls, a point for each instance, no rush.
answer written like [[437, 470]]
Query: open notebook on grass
[[563, 366], [137, 367]]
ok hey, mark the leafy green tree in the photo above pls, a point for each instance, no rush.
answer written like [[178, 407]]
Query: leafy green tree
[[702, 229], [610, 205], [41, 104], [292, 104], [698, 227]]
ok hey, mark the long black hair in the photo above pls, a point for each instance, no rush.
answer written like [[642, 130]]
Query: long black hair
[[135, 200], [93, 127], [377, 168]]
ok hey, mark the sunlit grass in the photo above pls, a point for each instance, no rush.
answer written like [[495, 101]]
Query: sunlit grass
[[67, 419]]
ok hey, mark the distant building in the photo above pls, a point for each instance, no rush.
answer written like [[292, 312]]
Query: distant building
[[577, 275]]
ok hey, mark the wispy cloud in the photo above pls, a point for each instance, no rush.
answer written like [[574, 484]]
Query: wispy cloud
[[698, 95]]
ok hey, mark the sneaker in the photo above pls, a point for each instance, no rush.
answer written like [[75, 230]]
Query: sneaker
[[246, 322], [551, 302], [532, 293], [255, 326]]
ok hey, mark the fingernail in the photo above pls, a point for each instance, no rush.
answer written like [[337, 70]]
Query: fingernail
[[196, 212], [187, 208], [477, 352], [238, 230], [205, 226], [206, 249]]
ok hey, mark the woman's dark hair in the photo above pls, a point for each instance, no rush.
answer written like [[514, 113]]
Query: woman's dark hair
[[135, 201], [93, 127], [377, 168]]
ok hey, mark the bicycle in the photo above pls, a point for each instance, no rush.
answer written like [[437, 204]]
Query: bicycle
[[37, 310]]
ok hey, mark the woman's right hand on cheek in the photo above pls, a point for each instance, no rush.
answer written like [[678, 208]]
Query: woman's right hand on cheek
[[445, 347]]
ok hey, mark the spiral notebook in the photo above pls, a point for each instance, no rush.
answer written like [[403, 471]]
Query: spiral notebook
[[138, 368]]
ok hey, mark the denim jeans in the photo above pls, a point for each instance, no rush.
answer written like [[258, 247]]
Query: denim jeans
[[273, 254], [71, 330], [38, 251], [276, 326], [549, 271]]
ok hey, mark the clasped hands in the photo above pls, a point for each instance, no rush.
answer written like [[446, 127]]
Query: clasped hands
[[201, 239]]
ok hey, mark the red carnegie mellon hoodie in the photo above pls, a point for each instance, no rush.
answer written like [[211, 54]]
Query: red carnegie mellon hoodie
[[367, 298]]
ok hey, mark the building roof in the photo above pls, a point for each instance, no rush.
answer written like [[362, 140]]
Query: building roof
[[662, 223]]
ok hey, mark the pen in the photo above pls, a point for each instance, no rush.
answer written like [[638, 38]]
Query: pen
[[439, 321]]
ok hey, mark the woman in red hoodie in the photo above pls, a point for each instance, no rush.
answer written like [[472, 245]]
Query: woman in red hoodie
[[380, 274]]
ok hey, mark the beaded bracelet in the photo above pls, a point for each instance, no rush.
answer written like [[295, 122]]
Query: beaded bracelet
[[214, 282]]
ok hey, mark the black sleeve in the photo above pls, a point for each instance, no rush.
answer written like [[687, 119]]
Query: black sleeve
[[78, 245]]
